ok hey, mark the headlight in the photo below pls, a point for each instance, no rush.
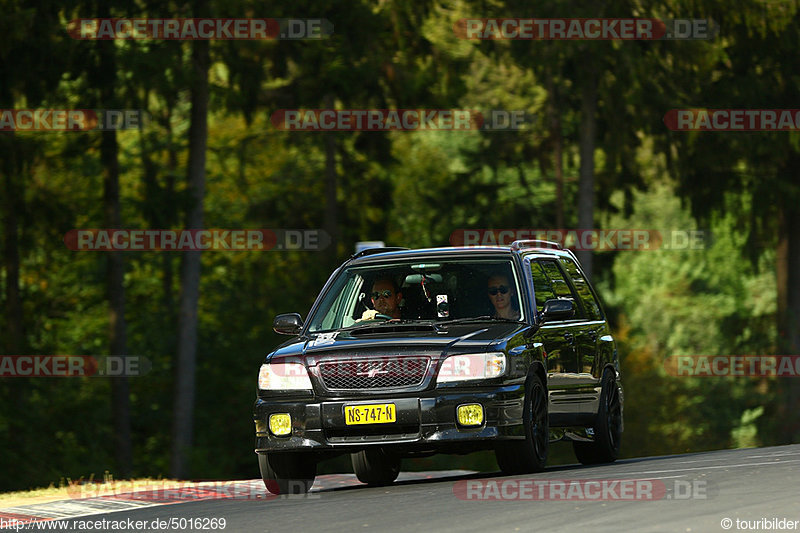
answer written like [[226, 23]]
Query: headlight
[[472, 366], [283, 376]]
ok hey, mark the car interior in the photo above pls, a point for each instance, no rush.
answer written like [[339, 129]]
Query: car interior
[[453, 291]]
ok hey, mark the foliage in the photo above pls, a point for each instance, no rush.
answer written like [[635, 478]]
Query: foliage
[[706, 301]]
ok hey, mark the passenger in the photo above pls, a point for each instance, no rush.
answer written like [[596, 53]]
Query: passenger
[[503, 297]]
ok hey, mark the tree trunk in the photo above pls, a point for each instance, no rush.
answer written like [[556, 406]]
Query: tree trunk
[[12, 202], [587, 141], [183, 412], [116, 297], [789, 318], [782, 279], [554, 112], [115, 268], [169, 195], [13, 334], [331, 222]]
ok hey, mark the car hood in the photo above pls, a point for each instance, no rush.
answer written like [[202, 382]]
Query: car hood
[[402, 338]]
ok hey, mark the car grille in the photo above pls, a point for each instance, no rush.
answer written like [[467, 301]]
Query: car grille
[[373, 373]]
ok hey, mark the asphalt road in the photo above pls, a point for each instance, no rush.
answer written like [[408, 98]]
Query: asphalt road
[[679, 493]]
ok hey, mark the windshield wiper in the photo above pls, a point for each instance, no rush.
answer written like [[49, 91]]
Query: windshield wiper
[[388, 323], [484, 318]]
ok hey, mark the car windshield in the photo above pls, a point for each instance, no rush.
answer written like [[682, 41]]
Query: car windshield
[[429, 290]]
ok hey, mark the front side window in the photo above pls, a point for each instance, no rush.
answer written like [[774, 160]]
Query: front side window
[[542, 287], [414, 290]]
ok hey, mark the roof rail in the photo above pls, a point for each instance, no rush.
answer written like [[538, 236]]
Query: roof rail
[[370, 251], [575, 257], [531, 243]]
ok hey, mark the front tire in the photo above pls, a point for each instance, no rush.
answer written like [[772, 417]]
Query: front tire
[[288, 473], [375, 466], [530, 455], [607, 428]]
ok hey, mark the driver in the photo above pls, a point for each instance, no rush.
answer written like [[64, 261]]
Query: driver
[[386, 298]]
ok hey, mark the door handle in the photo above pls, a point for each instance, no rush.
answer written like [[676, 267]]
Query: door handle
[[569, 337]]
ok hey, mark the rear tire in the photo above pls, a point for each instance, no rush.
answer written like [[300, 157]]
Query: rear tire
[[375, 466], [607, 428], [530, 455], [288, 473]]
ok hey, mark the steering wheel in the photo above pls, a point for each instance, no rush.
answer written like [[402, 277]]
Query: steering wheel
[[377, 316]]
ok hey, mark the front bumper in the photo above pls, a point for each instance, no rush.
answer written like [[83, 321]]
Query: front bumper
[[425, 422]]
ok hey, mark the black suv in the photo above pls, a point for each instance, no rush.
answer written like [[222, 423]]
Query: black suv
[[501, 348]]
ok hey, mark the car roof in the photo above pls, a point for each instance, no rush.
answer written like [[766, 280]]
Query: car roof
[[375, 255]]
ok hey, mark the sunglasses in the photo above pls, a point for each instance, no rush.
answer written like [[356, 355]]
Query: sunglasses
[[494, 290], [381, 294]]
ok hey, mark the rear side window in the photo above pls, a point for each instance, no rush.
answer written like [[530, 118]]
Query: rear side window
[[559, 284], [590, 304]]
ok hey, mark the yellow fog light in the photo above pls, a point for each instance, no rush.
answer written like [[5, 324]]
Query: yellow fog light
[[280, 424], [470, 414]]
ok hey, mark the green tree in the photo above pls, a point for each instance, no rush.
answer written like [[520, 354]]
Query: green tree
[[753, 69]]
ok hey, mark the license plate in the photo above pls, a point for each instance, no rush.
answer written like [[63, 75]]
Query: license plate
[[383, 413]]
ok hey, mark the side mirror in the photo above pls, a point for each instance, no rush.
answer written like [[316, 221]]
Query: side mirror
[[557, 310], [287, 324]]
